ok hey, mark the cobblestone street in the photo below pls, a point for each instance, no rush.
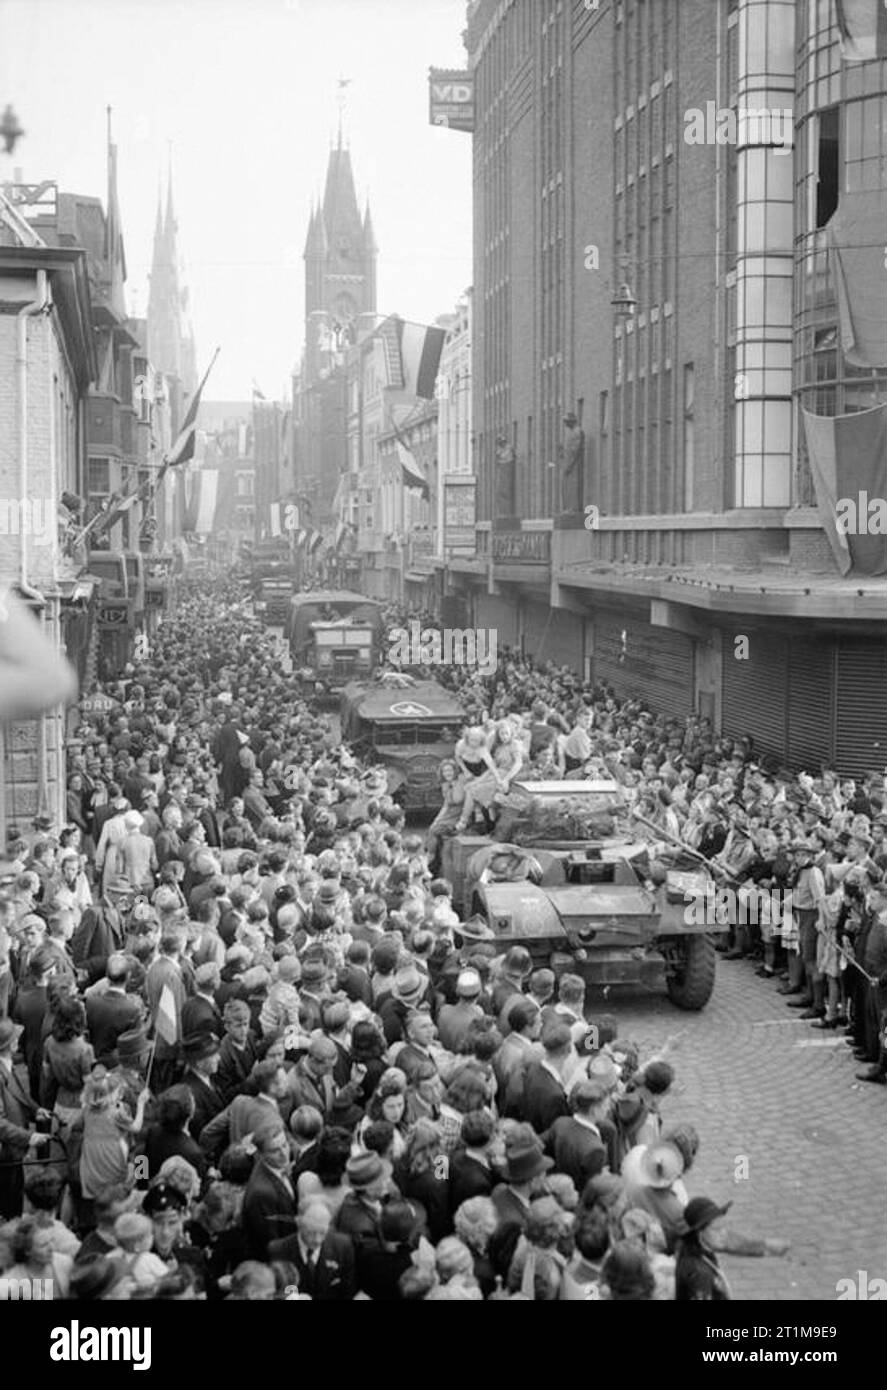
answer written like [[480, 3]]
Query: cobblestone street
[[757, 1081]]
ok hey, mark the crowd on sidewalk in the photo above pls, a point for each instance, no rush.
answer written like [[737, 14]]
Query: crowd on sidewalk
[[249, 1050]]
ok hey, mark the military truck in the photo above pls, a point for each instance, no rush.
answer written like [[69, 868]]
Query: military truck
[[275, 597], [566, 876], [335, 637], [409, 729]]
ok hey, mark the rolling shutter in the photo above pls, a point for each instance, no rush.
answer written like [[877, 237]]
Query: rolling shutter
[[755, 692], [652, 664], [811, 704], [861, 722]]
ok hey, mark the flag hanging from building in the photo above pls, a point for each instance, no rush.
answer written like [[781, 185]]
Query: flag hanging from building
[[857, 238], [863, 28], [411, 468], [201, 509], [411, 355], [117, 507], [182, 450], [421, 350], [166, 1022], [848, 461], [412, 471]]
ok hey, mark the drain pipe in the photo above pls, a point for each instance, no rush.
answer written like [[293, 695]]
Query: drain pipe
[[37, 306]]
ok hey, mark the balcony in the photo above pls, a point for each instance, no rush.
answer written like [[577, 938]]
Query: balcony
[[111, 427]]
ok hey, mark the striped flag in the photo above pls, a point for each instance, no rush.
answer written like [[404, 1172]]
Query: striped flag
[[413, 472], [411, 354], [183, 449], [863, 28], [166, 1022]]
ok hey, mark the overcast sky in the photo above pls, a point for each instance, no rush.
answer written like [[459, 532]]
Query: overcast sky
[[246, 92]]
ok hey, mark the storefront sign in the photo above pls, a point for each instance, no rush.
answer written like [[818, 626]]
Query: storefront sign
[[114, 613], [523, 547], [460, 516], [452, 98]]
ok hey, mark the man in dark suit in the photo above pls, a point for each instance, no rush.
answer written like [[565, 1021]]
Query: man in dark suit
[[201, 1013], [18, 1111], [201, 1064], [544, 1098], [324, 1260], [269, 1202], [520, 1048], [575, 1142], [112, 1011], [470, 1172], [360, 1214], [101, 932], [30, 1012]]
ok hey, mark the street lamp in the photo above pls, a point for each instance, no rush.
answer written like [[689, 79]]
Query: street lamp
[[624, 303]]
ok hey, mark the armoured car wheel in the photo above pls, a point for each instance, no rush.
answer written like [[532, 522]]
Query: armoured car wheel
[[690, 978]]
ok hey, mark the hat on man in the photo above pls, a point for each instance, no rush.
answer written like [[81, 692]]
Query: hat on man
[[409, 985], [289, 969], [700, 1212], [133, 820], [524, 1159], [132, 1044], [328, 892], [198, 1046], [364, 1169], [475, 929], [163, 1196], [661, 1165], [206, 973], [314, 972]]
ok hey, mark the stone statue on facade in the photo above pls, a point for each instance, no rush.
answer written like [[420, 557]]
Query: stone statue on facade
[[572, 487], [504, 488]]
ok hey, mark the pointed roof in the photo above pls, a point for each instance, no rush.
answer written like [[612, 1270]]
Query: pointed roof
[[369, 232], [316, 242], [170, 226], [341, 214], [115, 254]]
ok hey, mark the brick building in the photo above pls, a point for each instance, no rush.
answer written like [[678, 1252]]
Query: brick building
[[47, 361], [652, 308]]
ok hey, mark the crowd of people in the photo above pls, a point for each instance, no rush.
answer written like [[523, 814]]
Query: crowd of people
[[250, 1050]]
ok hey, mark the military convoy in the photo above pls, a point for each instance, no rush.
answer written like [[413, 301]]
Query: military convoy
[[408, 728], [335, 637], [566, 877]]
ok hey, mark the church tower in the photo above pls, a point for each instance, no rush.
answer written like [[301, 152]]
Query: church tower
[[170, 337], [340, 266]]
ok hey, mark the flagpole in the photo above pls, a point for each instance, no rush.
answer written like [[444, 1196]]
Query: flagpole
[[150, 1063], [165, 462]]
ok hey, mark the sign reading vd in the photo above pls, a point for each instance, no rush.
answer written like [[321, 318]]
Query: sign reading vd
[[452, 98]]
